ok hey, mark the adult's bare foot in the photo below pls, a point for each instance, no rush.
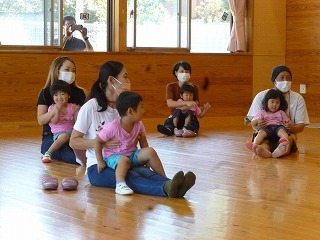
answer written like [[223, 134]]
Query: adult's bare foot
[[261, 151], [280, 150]]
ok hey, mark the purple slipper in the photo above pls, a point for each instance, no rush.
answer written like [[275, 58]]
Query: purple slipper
[[69, 183], [50, 184]]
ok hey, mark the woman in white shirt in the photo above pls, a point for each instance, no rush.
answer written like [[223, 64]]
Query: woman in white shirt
[[281, 77], [99, 109]]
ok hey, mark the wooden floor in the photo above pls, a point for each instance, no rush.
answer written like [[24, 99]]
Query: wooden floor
[[236, 195]]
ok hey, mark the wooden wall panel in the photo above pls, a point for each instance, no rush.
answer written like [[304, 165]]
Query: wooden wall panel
[[23, 74], [303, 49]]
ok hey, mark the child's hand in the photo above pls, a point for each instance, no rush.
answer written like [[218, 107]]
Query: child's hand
[[101, 165], [288, 124], [58, 106], [206, 106]]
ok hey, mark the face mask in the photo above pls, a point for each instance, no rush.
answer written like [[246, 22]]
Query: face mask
[[183, 77], [68, 77], [283, 86], [124, 86]]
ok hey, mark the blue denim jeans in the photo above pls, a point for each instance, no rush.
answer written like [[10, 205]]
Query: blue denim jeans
[[65, 153], [139, 179]]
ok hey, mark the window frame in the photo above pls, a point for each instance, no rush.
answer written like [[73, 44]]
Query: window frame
[[117, 27], [187, 49]]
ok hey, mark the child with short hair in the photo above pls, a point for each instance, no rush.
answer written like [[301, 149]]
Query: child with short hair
[[63, 117], [127, 129], [183, 117], [274, 107]]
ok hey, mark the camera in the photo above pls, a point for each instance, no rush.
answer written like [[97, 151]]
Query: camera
[[75, 27]]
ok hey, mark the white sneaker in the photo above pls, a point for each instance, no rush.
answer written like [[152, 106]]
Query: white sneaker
[[123, 189]]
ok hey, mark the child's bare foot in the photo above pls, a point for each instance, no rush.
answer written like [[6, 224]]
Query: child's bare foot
[[280, 150], [261, 151]]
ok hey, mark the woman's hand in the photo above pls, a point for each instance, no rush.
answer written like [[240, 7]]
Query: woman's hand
[[190, 104], [288, 124], [112, 144], [76, 107], [261, 122]]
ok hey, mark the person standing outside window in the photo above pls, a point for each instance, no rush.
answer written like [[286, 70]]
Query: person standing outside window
[[71, 43]]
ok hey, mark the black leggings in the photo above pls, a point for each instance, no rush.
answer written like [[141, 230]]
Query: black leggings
[[193, 125]]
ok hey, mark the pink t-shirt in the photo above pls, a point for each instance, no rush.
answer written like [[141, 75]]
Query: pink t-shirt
[[277, 118], [114, 131], [196, 110], [66, 121]]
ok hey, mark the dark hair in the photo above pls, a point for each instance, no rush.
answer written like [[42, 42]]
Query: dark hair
[[279, 69], [60, 86], [184, 65], [274, 94], [68, 18], [110, 68], [127, 100], [186, 87]]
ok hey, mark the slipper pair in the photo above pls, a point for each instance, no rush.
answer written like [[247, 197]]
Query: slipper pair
[[68, 184]]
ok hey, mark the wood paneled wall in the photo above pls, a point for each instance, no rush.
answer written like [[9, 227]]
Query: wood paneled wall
[[233, 78], [23, 74], [303, 50]]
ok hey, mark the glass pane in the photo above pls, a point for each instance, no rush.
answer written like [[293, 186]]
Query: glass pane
[[157, 23], [96, 24], [210, 26], [28, 22], [184, 24], [130, 23]]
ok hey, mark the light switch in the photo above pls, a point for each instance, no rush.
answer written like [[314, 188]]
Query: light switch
[[303, 88]]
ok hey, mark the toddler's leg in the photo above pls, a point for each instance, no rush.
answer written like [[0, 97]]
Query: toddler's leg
[[122, 169], [260, 137], [62, 139], [282, 134], [187, 121], [150, 156]]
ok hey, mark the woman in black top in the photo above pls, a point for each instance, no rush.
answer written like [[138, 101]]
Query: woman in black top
[[62, 68]]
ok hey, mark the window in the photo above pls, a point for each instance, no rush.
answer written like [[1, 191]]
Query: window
[[195, 26], [29, 22], [38, 22], [176, 25]]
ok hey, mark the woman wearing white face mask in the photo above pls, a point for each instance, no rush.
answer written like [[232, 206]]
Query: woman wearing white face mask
[[94, 114], [281, 77], [182, 72], [62, 68]]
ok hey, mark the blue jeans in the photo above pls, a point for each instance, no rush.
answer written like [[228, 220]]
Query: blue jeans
[[65, 153], [139, 179]]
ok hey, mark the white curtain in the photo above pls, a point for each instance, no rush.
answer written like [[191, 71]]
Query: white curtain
[[237, 39]]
